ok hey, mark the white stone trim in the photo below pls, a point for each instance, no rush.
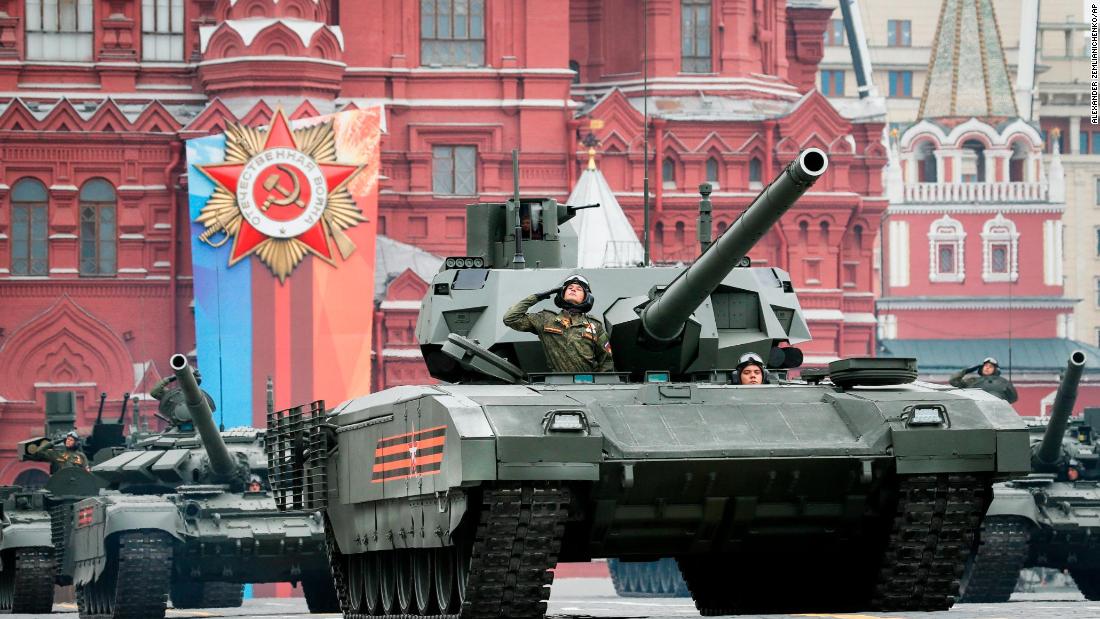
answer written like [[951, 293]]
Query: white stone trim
[[972, 303], [399, 305], [887, 327], [1053, 252], [822, 314], [162, 226], [860, 318], [62, 235], [132, 237], [996, 231], [973, 209], [899, 253], [949, 231], [162, 264], [142, 187], [133, 270], [401, 353], [62, 270]]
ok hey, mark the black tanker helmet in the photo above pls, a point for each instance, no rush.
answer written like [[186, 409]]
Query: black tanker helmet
[[747, 359], [584, 306]]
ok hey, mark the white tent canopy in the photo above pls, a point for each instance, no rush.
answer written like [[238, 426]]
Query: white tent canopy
[[605, 237]]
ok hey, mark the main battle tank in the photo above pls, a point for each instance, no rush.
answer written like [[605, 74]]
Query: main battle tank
[[26, 552], [859, 490], [1051, 518], [179, 519]]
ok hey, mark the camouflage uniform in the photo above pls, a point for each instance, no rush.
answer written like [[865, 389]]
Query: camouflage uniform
[[60, 457], [994, 383], [572, 342]]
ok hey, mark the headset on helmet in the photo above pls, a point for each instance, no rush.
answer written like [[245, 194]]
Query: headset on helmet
[[582, 307], [747, 359], [992, 360]]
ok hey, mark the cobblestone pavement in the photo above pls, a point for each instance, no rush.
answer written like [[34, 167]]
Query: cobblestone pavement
[[594, 597]]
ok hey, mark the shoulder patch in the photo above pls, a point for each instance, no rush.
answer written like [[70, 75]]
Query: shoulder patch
[[552, 330]]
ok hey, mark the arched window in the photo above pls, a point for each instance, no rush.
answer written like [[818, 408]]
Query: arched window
[[28, 228], [926, 163], [679, 235], [858, 232], [1016, 165], [98, 229], [825, 232], [999, 242], [659, 234], [973, 162], [945, 250], [754, 170], [712, 172], [575, 67], [803, 232], [722, 227], [668, 173]]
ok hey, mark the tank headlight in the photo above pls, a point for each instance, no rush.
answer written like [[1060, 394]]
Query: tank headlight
[[450, 263], [927, 416], [566, 421], [478, 262], [468, 263]]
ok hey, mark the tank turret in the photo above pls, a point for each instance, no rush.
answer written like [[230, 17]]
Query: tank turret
[[222, 463], [687, 322], [1049, 454]]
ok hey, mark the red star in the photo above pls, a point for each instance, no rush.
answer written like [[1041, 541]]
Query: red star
[[227, 175]]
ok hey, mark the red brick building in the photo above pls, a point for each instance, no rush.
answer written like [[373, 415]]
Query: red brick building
[[97, 96]]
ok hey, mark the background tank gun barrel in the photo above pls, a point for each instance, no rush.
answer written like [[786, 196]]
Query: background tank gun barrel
[[664, 318], [1050, 450], [221, 461]]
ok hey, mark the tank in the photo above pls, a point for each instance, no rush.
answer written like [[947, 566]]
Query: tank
[[460, 498], [26, 552], [647, 579], [178, 519], [1051, 518]]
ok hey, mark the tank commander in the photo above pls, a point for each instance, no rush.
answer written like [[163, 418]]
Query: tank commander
[[989, 379], [750, 370], [571, 339], [173, 400], [60, 458]]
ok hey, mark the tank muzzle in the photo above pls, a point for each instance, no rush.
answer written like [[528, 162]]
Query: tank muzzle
[[177, 362]]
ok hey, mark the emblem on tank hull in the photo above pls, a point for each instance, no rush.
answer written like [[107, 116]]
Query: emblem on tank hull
[[280, 195]]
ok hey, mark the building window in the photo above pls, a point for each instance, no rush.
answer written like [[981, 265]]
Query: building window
[[454, 170], [659, 234], [1096, 199], [695, 36], [59, 29], [999, 240], [754, 170], [973, 162], [452, 32], [1098, 292], [897, 33], [946, 251], [858, 231], [834, 33], [679, 231], [901, 83], [668, 173], [1098, 242], [28, 228], [575, 67], [162, 30], [832, 83], [1083, 143], [98, 237], [712, 172]]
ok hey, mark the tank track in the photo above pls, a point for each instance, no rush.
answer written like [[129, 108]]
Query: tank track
[[207, 594], [515, 545], [650, 579], [1088, 582], [135, 583], [321, 595], [995, 568], [934, 527], [30, 585]]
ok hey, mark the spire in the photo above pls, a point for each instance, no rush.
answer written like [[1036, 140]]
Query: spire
[[967, 73]]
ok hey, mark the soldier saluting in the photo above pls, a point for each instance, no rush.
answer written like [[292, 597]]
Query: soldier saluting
[[70, 454], [571, 339], [989, 379]]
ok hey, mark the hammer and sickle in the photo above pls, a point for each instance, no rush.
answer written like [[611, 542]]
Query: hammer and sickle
[[293, 196]]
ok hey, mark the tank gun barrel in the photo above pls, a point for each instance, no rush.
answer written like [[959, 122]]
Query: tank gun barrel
[[1050, 450], [221, 461], [664, 318]]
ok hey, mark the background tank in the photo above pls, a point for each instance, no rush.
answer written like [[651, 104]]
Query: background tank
[[864, 492], [26, 552], [1051, 518], [179, 519]]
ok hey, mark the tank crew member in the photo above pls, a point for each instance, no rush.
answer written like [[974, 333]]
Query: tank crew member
[[750, 370], [254, 484], [173, 400], [70, 455], [989, 379], [572, 340]]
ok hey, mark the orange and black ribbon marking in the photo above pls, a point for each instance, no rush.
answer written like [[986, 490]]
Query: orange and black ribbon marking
[[409, 455], [84, 517]]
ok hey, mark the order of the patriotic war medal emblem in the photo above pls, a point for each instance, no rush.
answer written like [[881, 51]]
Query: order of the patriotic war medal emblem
[[280, 195]]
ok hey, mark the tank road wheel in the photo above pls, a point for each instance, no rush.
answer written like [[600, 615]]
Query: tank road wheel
[[422, 577], [936, 521], [371, 565], [405, 600], [993, 571], [135, 582], [26, 582], [463, 554], [388, 565], [1088, 582], [443, 576], [515, 546], [354, 575]]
